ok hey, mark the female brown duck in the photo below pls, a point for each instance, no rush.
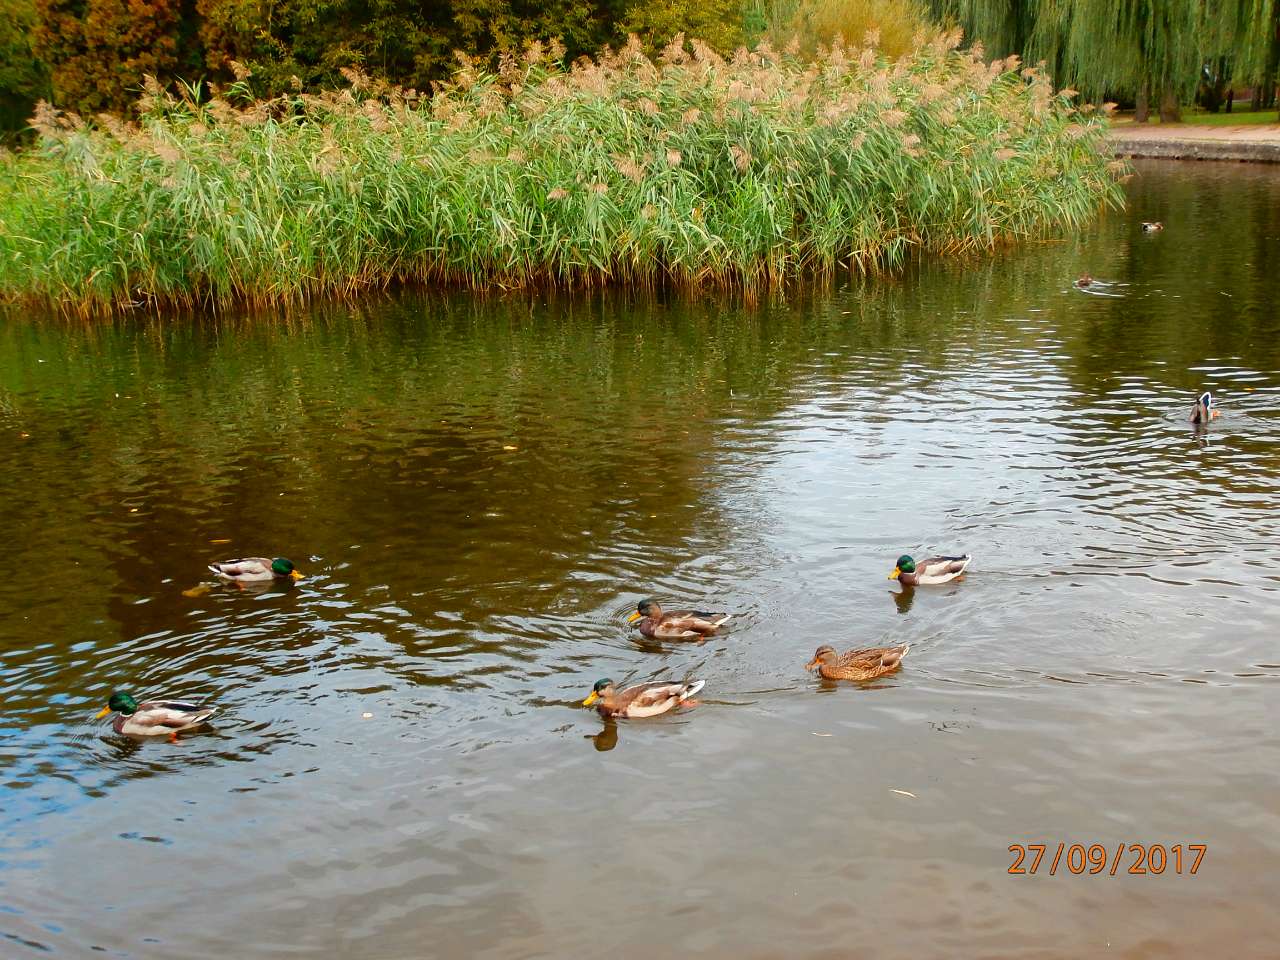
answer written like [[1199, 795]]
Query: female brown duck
[[865, 664], [651, 621], [1204, 410]]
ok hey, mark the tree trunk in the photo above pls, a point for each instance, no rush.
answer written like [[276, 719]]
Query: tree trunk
[[1142, 106], [1170, 112]]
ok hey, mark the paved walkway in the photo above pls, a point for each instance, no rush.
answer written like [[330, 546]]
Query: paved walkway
[[1258, 142]]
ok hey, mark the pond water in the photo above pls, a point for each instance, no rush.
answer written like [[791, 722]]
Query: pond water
[[479, 489]]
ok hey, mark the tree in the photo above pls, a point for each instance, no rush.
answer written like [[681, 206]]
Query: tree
[[24, 79], [99, 51], [1150, 49]]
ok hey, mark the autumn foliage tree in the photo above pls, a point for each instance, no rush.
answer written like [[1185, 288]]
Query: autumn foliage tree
[[99, 51]]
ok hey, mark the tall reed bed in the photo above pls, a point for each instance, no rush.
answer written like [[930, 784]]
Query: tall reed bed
[[690, 170]]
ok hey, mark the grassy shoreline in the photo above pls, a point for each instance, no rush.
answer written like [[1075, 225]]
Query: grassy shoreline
[[691, 170]]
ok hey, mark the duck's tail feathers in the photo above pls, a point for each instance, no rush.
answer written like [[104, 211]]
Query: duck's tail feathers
[[721, 619], [214, 568], [894, 657], [691, 688]]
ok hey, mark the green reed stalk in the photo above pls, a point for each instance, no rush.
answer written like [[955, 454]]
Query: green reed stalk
[[691, 170]]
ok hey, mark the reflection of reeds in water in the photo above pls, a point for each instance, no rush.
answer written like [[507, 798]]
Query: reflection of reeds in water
[[689, 170]]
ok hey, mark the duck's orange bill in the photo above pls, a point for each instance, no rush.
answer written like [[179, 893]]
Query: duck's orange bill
[[102, 713], [634, 617], [295, 574], [591, 699], [896, 573], [811, 665]]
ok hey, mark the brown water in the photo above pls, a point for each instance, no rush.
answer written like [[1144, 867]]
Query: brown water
[[1108, 672]]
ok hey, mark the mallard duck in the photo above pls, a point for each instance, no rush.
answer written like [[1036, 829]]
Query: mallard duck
[[155, 717], [256, 569], [1084, 281], [642, 700], [1203, 411], [934, 570], [857, 664], [1151, 226], [676, 625]]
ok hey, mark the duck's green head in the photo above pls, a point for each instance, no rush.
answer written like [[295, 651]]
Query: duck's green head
[[121, 702], [904, 565], [284, 568], [597, 691]]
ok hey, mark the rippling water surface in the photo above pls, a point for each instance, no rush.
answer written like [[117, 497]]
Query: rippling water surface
[[480, 489]]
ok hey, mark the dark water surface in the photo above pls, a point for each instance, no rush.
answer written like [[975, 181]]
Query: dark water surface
[[480, 489]]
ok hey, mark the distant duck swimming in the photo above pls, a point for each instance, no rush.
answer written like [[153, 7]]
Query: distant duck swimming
[[1151, 226], [153, 718], [644, 699], [911, 573], [256, 569], [866, 664], [1203, 411], [1084, 281], [652, 622]]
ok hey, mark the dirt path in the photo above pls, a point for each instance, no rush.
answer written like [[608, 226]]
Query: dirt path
[[1251, 142]]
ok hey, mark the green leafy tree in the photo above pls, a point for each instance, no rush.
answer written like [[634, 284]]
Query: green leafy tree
[[24, 79], [1153, 50]]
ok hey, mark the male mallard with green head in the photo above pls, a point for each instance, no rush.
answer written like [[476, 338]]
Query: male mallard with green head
[[865, 664], [256, 569], [911, 573], [652, 622], [1204, 410], [154, 717], [642, 700]]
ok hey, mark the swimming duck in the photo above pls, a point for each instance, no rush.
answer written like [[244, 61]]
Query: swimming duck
[[1151, 226], [927, 572], [256, 569], [864, 664], [676, 625], [154, 717], [1203, 411], [642, 700], [1084, 281]]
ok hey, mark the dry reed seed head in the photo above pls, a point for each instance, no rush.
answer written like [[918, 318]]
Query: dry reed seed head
[[555, 50], [673, 158], [690, 116], [871, 38], [741, 157], [1004, 153], [166, 151], [858, 140], [629, 168], [673, 54], [558, 193], [893, 118], [600, 189], [930, 91], [516, 155], [647, 107]]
